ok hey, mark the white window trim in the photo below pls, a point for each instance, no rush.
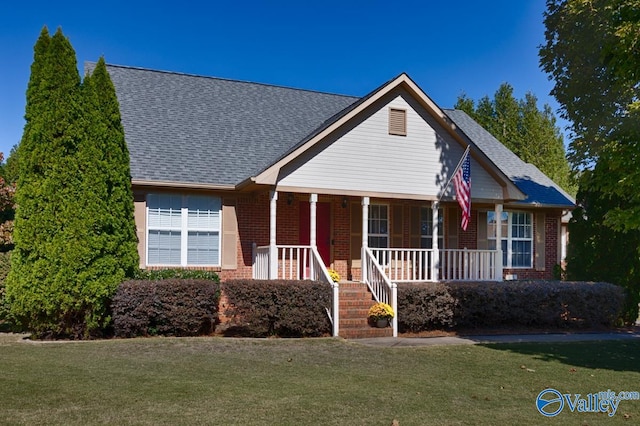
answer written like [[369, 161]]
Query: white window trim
[[184, 235], [369, 234], [509, 238]]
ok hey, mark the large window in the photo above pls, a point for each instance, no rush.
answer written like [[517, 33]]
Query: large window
[[517, 238], [378, 226], [426, 228], [183, 230]]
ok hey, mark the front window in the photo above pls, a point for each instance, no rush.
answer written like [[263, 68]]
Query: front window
[[378, 226], [426, 228], [183, 230], [517, 238]]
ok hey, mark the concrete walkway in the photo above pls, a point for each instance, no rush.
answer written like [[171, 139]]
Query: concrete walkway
[[397, 342]]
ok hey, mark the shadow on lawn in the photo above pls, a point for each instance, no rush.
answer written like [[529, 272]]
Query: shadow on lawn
[[616, 355]]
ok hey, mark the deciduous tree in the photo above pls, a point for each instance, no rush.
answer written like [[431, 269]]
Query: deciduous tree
[[530, 133]]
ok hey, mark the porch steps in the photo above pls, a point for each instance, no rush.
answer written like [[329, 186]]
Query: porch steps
[[355, 301]]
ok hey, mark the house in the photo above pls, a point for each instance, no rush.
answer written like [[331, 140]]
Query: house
[[255, 180]]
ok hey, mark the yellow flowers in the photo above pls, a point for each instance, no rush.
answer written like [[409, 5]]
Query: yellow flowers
[[335, 276], [380, 311]]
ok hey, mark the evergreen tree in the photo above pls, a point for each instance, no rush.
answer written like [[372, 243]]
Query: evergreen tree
[[74, 231], [530, 133]]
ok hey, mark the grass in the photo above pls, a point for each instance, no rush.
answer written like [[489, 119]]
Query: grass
[[304, 381]]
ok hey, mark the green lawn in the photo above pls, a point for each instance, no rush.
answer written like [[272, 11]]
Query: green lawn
[[304, 381]]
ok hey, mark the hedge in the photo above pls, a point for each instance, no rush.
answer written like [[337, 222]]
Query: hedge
[[424, 307], [260, 308], [549, 304], [171, 307]]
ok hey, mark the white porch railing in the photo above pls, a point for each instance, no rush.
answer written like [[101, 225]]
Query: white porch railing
[[415, 265], [383, 289], [297, 263], [470, 265]]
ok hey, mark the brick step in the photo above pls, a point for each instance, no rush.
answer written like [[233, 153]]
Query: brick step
[[356, 303], [352, 284], [348, 322], [352, 313], [355, 295], [361, 333]]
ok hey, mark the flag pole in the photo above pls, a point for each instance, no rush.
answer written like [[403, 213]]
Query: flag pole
[[454, 173]]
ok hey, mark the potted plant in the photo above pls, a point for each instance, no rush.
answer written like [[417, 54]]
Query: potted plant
[[380, 314], [334, 275]]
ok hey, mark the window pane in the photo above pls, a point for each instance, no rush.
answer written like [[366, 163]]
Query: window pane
[[164, 211], [378, 242], [164, 247], [521, 254], [203, 248], [378, 226], [204, 212]]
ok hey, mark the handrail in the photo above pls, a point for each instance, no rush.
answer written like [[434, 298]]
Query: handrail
[[320, 273], [381, 287]]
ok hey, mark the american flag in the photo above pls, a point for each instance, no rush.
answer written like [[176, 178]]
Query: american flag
[[462, 182]]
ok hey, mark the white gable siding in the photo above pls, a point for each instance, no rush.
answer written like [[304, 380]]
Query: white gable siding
[[368, 159]]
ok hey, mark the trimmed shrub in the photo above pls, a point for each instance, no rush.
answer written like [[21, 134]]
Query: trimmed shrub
[[172, 307], [536, 304], [178, 273], [424, 306], [260, 308]]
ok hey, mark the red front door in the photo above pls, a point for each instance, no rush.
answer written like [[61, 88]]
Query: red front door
[[323, 228]]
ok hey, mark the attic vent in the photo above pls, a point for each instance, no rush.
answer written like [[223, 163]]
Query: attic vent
[[397, 122]]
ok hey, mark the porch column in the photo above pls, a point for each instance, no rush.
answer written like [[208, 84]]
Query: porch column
[[365, 235], [313, 200], [435, 254], [498, 265], [273, 249]]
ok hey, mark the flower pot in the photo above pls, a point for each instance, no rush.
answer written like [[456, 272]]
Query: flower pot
[[382, 323]]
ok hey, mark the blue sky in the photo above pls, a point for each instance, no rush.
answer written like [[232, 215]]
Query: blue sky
[[347, 47]]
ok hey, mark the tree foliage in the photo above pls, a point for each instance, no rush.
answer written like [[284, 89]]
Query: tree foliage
[[532, 134], [592, 52], [74, 231]]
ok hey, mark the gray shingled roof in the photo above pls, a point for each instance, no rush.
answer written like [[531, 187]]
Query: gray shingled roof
[[527, 177], [204, 130]]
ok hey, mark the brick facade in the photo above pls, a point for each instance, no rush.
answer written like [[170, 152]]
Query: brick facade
[[252, 212]]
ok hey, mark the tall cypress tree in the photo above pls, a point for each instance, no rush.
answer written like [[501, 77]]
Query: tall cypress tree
[[74, 231]]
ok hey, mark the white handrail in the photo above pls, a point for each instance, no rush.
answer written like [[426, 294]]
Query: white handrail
[[381, 287]]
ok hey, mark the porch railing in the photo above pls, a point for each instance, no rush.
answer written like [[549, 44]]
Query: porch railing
[[296, 262], [382, 288], [470, 265], [415, 265]]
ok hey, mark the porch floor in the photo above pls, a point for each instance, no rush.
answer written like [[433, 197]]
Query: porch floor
[[355, 301]]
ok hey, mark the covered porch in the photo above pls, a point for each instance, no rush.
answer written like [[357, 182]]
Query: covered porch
[[380, 268]]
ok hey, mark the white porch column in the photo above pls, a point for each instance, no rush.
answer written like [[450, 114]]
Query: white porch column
[[273, 249], [499, 265], [435, 254], [313, 200], [365, 234]]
